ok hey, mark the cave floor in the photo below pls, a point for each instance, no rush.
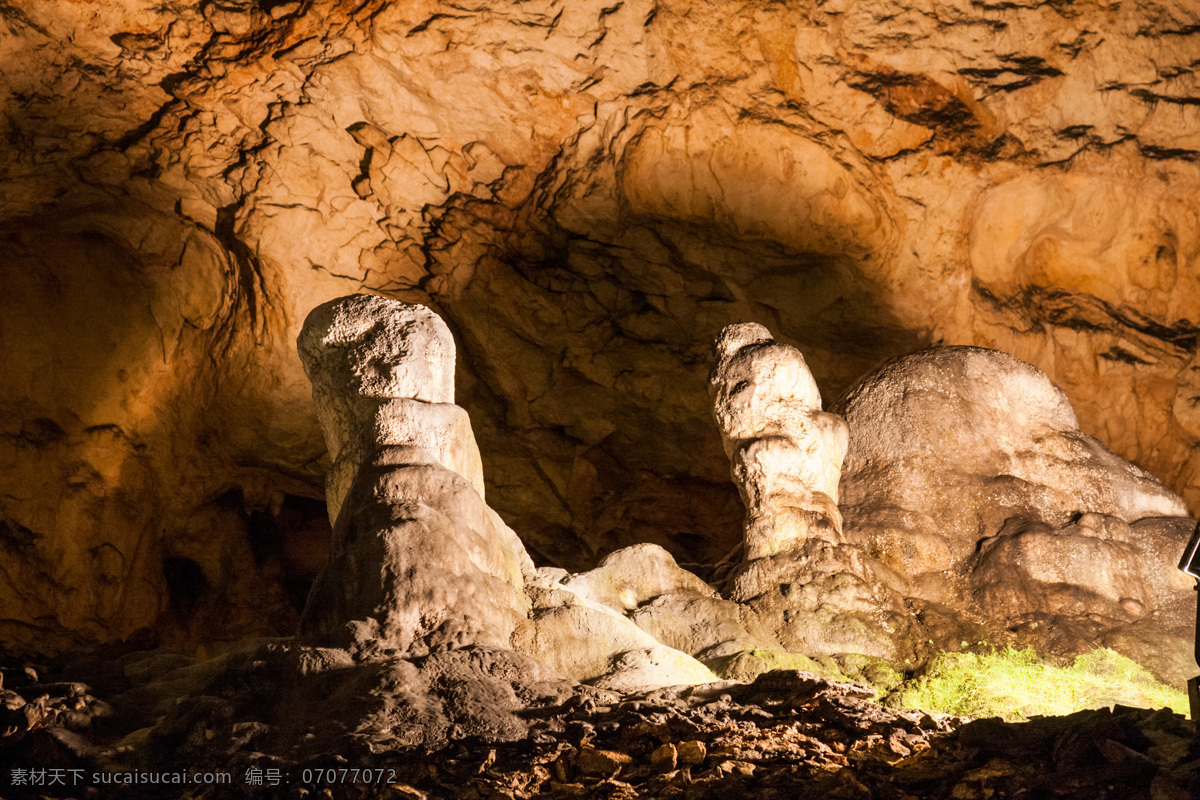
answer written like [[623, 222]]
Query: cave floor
[[789, 734]]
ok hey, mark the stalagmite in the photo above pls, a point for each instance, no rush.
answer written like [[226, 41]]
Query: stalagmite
[[786, 452], [383, 375], [418, 561]]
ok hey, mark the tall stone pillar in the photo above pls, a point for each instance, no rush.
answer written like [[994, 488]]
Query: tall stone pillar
[[418, 561], [785, 452]]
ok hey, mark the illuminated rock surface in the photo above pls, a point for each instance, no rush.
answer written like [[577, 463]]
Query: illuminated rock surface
[[815, 594], [418, 562], [430, 631], [786, 454], [588, 194], [948, 444], [968, 479]]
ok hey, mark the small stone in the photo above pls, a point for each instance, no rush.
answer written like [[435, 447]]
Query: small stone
[[691, 753], [592, 761], [1117, 753], [1162, 788], [742, 769], [664, 758]]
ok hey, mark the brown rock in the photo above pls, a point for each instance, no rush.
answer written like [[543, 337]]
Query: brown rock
[[592, 761], [664, 758], [691, 754]]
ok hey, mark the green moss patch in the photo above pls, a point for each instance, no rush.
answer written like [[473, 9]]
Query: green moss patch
[[1017, 684]]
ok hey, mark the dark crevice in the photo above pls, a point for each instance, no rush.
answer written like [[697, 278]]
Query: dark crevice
[[422, 27], [1156, 33], [290, 541], [42, 432], [129, 138], [1086, 313], [186, 584], [1168, 153], [1154, 97], [1121, 355], [248, 274], [12, 14], [16, 538]]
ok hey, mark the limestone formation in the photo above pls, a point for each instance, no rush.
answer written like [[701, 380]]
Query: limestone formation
[[786, 453], [585, 626], [418, 560], [813, 593], [382, 374], [633, 576], [948, 444], [419, 563], [968, 478]]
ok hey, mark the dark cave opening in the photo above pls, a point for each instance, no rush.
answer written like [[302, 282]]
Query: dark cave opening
[[186, 584], [290, 540]]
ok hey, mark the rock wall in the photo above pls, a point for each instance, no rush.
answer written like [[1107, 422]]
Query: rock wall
[[587, 192]]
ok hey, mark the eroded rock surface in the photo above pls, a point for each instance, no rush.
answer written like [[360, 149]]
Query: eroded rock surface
[[949, 443], [383, 375], [430, 629], [816, 594], [419, 563], [968, 478], [588, 194], [786, 453]]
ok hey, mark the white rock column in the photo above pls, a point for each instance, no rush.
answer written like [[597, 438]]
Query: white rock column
[[785, 452], [382, 374], [418, 561]]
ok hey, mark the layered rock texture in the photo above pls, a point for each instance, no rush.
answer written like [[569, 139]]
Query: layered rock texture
[[588, 192], [797, 577], [431, 631], [419, 563]]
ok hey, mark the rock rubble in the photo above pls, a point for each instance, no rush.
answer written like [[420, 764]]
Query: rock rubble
[[786, 734]]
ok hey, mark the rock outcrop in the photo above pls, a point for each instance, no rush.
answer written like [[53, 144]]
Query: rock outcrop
[[419, 564], [948, 444], [968, 478], [814, 593], [430, 627]]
